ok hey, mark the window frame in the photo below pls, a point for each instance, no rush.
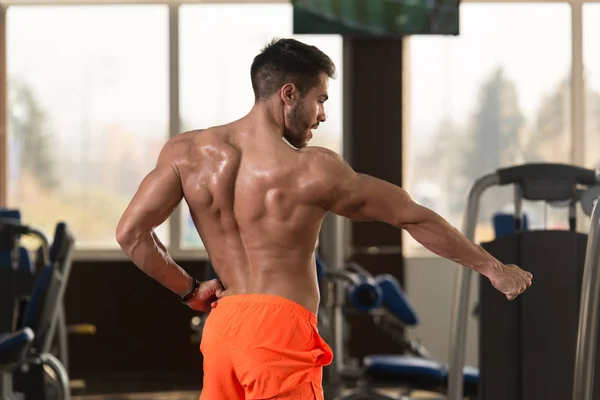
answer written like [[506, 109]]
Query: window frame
[[175, 248], [175, 221], [577, 82]]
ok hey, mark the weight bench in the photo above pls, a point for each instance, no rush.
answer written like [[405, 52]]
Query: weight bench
[[42, 318], [417, 371]]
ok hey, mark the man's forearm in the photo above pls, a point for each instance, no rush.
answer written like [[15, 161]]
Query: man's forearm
[[441, 238], [149, 254]]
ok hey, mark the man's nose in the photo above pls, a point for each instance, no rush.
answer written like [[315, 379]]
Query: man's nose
[[322, 117]]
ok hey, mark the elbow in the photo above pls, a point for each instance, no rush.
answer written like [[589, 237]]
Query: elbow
[[122, 235], [415, 217], [404, 224], [403, 221], [125, 235]]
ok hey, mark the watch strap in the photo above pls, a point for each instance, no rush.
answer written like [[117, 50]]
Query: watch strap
[[186, 297]]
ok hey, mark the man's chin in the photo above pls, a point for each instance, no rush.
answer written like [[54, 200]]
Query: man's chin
[[293, 144], [300, 145], [296, 143], [303, 143]]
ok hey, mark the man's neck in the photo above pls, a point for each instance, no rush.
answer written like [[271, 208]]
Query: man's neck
[[267, 118]]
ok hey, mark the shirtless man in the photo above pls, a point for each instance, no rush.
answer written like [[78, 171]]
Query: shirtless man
[[258, 204]]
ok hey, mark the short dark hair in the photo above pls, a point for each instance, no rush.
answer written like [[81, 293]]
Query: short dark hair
[[288, 60]]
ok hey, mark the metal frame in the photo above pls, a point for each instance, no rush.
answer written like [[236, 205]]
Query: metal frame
[[587, 337], [3, 106], [62, 377], [460, 307], [174, 112], [132, 2]]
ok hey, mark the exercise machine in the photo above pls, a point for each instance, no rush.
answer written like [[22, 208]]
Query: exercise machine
[[587, 338], [28, 368], [382, 298], [17, 271], [527, 346]]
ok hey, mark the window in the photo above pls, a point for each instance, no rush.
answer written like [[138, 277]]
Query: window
[[87, 112], [218, 44], [497, 95], [591, 60]]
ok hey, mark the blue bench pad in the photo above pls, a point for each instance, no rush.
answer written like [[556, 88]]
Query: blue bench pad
[[395, 301], [414, 371], [14, 346]]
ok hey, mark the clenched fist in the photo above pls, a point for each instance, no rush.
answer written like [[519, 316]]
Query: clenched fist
[[207, 295], [510, 280]]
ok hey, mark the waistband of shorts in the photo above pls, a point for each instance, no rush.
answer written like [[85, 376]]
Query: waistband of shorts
[[270, 299]]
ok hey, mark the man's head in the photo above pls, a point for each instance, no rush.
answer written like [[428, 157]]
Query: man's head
[[296, 76]]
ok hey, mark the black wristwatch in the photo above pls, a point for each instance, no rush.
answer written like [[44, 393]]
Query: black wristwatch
[[186, 297]]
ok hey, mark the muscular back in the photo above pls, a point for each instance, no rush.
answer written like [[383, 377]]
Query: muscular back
[[252, 200], [258, 205]]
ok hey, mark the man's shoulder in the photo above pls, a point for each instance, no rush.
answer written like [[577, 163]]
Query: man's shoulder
[[322, 154], [322, 158], [323, 168], [193, 134], [179, 148], [191, 145], [181, 144]]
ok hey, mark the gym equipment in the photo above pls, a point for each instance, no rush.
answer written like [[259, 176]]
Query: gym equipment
[[362, 292], [586, 352], [17, 272], [504, 224], [13, 350], [383, 299], [25, 372], [527, 346]]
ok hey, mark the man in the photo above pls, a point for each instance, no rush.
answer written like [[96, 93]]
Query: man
[[258, 204]]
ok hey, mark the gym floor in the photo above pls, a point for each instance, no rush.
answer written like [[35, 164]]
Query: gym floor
[[194, 396], [144, 396]]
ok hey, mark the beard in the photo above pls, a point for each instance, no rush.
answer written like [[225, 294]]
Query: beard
[[295, 131]]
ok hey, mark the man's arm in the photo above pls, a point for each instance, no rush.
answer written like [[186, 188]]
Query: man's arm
[[156, 198], [365, 198]]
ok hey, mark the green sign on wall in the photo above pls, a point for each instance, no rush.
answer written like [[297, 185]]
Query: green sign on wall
[[376, 17]]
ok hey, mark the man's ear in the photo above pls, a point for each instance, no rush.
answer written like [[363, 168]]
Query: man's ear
[[289, 94]]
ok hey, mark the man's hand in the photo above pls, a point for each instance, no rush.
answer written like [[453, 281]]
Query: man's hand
[[207, 295], [509, 279]]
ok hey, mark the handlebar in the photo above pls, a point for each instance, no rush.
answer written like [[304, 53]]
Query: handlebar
[[11, 229], [547, 182]]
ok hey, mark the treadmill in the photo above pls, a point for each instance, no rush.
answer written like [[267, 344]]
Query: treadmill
[[527, 347]]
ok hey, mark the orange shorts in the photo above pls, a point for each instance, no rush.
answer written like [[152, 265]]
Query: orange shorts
[[262, 347]]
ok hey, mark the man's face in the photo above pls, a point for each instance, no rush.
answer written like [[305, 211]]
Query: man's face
[[305, 112]]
